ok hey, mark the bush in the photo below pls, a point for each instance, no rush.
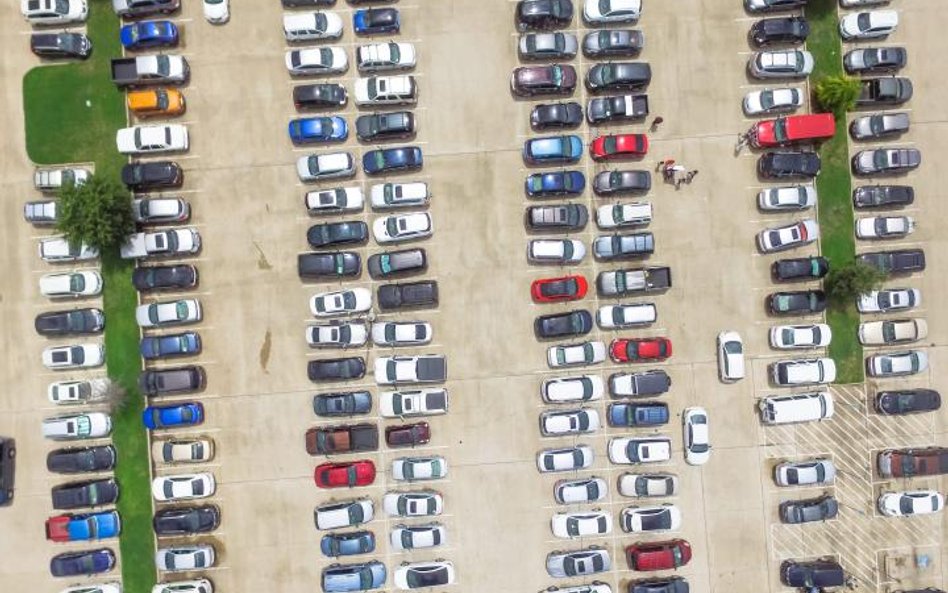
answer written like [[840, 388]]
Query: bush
[[845, 284], [97, 213], [837, 93]]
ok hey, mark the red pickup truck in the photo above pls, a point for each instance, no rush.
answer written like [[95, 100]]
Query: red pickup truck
[[792, 129], [342, 439]]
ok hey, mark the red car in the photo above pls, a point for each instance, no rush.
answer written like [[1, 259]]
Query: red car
[[566, 288], [617, 146], [345, 475], [408, 435], [640, 350], [665, 555]]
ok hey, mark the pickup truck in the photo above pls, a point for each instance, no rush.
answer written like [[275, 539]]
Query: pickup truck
[[162, 243], [904, 463], [618, 107], [53, 179], [146, 70], [622, 282], [884, 91], [395, 370], [346, 438], [643, 384], [420, 402], [899, 261], [83, 527]]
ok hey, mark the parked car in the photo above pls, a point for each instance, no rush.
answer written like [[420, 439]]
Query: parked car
[[631, 450], [137, 8], [152, 175], [399, 195], [398, 370], [376, 21], [378, 57], [617, 146], [789, 29], [787, 198], [336, 369], [577, 388], [871, 24], [616, 76], [892, 299], [661, 555], [414, 402], [897, 463], [784, 63], [619, 182], [183, 487], [90, 493], [311, 26], [152, 139], [77, 392], [886, 161], [623, 316], [640, 349], [624, 246], [342, 578], [555, 251], [347, 544], [167, 345], [896, 364], [816, 573], [547, 46], [342, 404], [86, 562], [804, 473], [808, 510], [148, 34], [329, 234], [321, 95], [772, 101], [802, 268], [875, 60], [613, 43], [641, 384], [77, 459], [784, 337], [786, 237], [188, 520], [160, 314], [796, 302], [411, 537], [564, 217], [883, 196], [386, 90], [879, 125], [74, 322], [337, 334], [385, 126], [402, 227], [558, 325], [51, 180], [581, 524], [788, 373], [555, 183], [696, 441], [552, 149], [308, 130], [560, 422], [576, 354], [83, 527], [899, 261], [896, 331], [91, 425], [880, 92], [317, 167], [566, 288], [730, 356], [416, 575], [419, 468], [50, 12], [397, 263], [772, 5], [912, 502], [644, 414], [61, 45], [582, 562], [316, 61], [543, 14], [188, 557], [390, 160], [345, 513], [75, 284], [407, 435], [778, 165], [341, 302], [617, 108], [647, 485], [157, 417], [907, 401], [556, 115], [58, 249], [418, 503], [408, 295], [183, 450], [639, 519], [565, 459], [328, 265], [884, 227], [582, 490], [345, 474], [73, 357]]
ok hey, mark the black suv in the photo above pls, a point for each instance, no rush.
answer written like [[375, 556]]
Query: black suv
[[797, 302], [779, 165], [174, 380], [813, 574], [336, 369], [326, 94], [337, 233], [385, 126], [7, 469], [791, 29], [77, 321], [411, 294], [543, 14], [907, 401], [77, 495], [328, 265], [165, 277], [187, 520], [397, 263], [61, 45], [614, 76], [883, 196], [79, 460], [557, 325], [153, 174], [800, 268], [900, 261]]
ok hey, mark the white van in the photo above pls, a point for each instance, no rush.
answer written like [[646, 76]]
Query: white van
[[800, 407], [308, 26], [631, 315], [386, 90], [78, 426]]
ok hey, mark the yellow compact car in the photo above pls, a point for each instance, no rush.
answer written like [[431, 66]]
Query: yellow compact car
[[156, 102]]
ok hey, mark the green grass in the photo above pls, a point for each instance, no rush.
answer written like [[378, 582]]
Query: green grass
[[72, 112], [834, 187]]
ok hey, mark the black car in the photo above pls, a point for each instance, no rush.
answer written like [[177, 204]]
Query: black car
[[174, 277], [377, 20], [619, 182], [615, 76], [7, 470], [385, 126], [336, 369], [883, 196], [186, 379], [79, 460], [773, 5], [411, 294], [543, 14], [153, 174], [799, 268], [87, 562], [324, 94], [310, 3], [574, 323], [318, 266], [900, 261], [907, 401], [875, 60], [565, 217], [808, 510], [556, 115], [337, 233], [137, 8], [613, 43], [798, 302], [397, 263], [342, 404], [665, 585], [77, 321], [617, 108], [61, 45], [791, 29], [815, 574], [781, 165], [77, 495], [187, 520]]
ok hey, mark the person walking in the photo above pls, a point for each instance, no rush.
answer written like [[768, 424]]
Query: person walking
[[691, 175], [658, 119]]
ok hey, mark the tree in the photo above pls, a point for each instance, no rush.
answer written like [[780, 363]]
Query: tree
[[838, 93], [114, 396], [97, 213], [848, 282]]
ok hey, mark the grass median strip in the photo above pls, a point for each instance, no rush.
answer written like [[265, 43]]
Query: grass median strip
[[72, 112]]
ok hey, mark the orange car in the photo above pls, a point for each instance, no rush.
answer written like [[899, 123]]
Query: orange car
[[156, 102]]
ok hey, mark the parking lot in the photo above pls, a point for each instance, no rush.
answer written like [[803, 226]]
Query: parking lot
[[247, 205]]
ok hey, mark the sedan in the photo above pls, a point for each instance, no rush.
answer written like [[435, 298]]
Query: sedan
[[307, 130], [879, 125], [801, 268], [640, 350], [581, 524], [613, 43], [156, 417], [390, 160], [86, 562], [797, 302], [187, 520], [555, 251], [341, 302], [886, 161], [566, 459], [555, 183], [784, 337], [412, 537], [419, 468], [787, 237], [897, 364], [401, 333], [893, 299], [805, 473], [771, 101], [626, 315], [696, 440], [148, 34], [74, 284], [907, 401], [416, 575], [583, 562], [342, 404], [871, 24], [773, 5], [566, 288], [907, 503], [345, 475], [612, 11], [884, 227], [74, 357], [569, 422], [777, 165], [786, 63], [185, 557], [337, 335], [346, 578], [556, 115], [875, 60], [647, 485], [347, 544], [183, 450], [577, 388], [883, 196], [183, 487], [402, 227], [336, 369], [543, 14], [791, 29], [171, 277], [375, 21], [808, 510], [579, 491], [619, 182], [418, 503], [547, 46], [183, 344], [76, 321], [152, 139], [664, 517], [617, 146], [787, 198], [168, 313], [576, 354], [407, 435], [337, 233], [316, 60], [730, 356]]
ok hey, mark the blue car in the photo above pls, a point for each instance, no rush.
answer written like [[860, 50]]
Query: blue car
[[71, 564], [177, 415], [553, 149], [372, 21], [147, 34], [183, 344], [555, 183], [383, 160], [305, 130], [342, 578], [347, 544], [638, 414]]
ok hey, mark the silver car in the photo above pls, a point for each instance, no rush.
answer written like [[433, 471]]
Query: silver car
[[879, 125], [546, 46], [805, 473]]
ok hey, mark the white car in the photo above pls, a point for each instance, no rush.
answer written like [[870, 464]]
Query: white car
[[169, 313], [316, 60], [311, 26], [412, 537], [74, 284], [626, 214], [331, 201], [565, 459], [182, 450], [892, 299], [785, 337], [911, 502], [325, 166], [557, 423], [786, 198], [556, 251], [402, 227], [341, 302], [160, 210], [217, 12], [695, 437], [575, 388], [788, 236], [623, 316], [378, 57], [581, 524], [805, 473], [185, 557], [576, 354], [424, 574], [48, 180], [386, 90], [897, 331], [897, 364], [195, 586], [74, 357], [417, 503], [612, 11], [57, 249], [183, 487], [884, 227], [416, 402], [419, 468], [170, 243], [401, 333], [787, 373], [639, 450], [398, 370], [579, 491], [152, 139], [54, 12], [785, 63], [647, 485], [337, 335], [769, 101], [657, 518], [92, 425], [399, 195], [871, 24], [345, 513], [730, 356], [77, 392], [857, 3]]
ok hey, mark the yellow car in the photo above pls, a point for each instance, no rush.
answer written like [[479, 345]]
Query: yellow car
[[156, 102]]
